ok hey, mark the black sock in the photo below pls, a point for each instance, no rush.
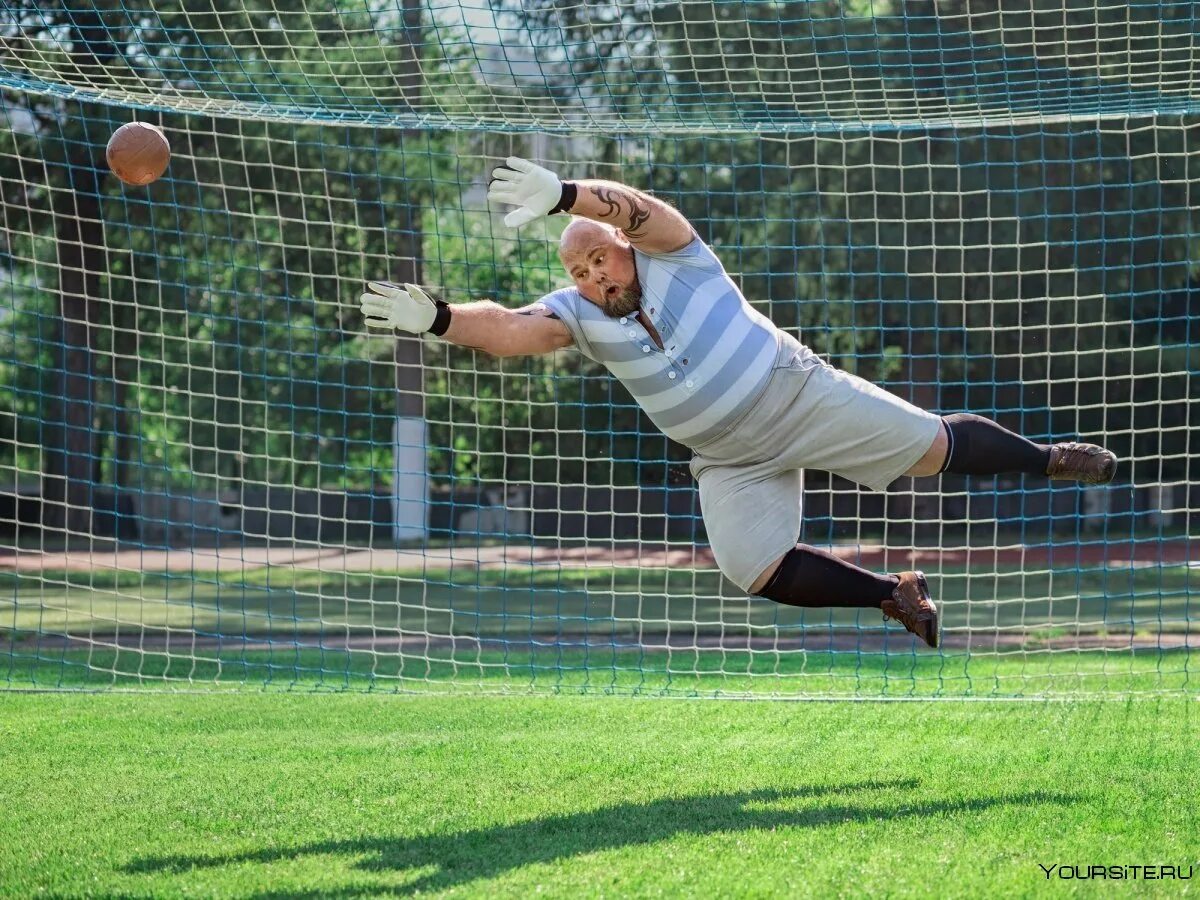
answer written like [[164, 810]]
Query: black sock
[[811, 577], [979, 446]]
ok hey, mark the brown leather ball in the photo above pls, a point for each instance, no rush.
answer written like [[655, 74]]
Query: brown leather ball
[[138, 153]]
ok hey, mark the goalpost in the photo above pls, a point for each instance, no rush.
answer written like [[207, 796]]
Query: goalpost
[[210, 474]]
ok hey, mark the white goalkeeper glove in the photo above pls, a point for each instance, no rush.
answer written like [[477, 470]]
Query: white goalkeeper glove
[[408, 308], [535, 191]]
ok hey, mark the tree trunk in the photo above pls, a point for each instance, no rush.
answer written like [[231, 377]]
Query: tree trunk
[[71, 448], [125, 337]]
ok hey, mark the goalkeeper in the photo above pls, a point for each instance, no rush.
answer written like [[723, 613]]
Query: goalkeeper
[[653, 303]]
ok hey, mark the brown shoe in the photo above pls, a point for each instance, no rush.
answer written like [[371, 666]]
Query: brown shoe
[[1082, 462], [911, 606]]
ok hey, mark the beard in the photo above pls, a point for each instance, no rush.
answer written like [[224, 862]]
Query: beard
[[625, 303]]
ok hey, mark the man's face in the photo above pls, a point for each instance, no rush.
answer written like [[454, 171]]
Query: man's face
[[603, 270]]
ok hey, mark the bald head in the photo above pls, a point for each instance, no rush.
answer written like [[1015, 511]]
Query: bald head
[[582, 235], [600, 261]]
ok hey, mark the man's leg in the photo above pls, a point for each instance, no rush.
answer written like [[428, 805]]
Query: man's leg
[[972, 445], [806, 576], [856, 431], [965, 444], [752, 512]]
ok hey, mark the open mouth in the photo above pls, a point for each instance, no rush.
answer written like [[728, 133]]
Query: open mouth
[[611, 291]]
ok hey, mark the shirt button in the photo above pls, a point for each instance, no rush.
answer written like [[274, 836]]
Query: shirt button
[[645, 348], [671, 375], [688, 382], [632, 333], [624, 319]]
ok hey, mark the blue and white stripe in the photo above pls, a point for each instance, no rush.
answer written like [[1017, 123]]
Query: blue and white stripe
[[717, 354]]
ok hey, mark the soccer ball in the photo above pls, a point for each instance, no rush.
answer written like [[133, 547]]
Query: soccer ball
[[138, 153]]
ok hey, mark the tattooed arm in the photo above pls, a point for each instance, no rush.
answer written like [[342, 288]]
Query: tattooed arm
[[650, 224], [492, 328]]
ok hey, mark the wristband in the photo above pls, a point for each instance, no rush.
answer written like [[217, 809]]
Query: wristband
[[441, 319], [567, 199]]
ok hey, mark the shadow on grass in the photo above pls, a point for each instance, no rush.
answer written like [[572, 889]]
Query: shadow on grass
[[484, 853]]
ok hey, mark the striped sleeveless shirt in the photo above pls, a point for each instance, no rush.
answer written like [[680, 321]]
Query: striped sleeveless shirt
[[718, 351]]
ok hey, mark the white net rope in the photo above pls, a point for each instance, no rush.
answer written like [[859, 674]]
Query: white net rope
[[214, 474]]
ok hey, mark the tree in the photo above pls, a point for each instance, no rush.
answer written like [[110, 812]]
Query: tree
[[217, 270], [992, 265]]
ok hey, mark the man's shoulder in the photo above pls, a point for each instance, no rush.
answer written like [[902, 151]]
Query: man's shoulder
[[576, 312], [562, 295], [694, 254], [568, 300]]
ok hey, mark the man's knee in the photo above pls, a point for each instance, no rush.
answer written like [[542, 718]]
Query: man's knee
[[767, 574], [935, 457], [740, 568]]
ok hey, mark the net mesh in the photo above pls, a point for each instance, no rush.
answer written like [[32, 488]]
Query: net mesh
[[213, 475], [635, 67]]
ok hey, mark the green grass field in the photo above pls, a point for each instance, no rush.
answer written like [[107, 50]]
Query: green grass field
[[267, 795], [308, 765]]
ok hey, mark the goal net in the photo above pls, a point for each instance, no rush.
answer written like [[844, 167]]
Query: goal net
[[212, 474]]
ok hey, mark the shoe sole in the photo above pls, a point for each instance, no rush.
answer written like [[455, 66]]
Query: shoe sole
[[923, 584], [1110, 471]]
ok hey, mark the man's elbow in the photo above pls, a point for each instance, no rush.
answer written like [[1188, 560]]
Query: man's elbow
[[511, 340], [503, 347], [502, 352]]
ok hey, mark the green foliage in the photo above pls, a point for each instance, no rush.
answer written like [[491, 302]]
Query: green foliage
[[240, 270], [1027, 267]]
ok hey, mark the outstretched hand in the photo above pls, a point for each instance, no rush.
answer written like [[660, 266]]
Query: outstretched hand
[[535, 191], [389, 305]]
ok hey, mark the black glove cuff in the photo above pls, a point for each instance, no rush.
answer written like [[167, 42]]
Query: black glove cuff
[[441, 319], [569, 191]]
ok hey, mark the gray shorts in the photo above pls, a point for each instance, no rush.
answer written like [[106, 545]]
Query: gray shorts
[[809, 416]]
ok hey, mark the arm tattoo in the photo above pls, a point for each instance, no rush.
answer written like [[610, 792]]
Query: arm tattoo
[[637, 219], [613, 200], [538, 309], [606, 196]]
